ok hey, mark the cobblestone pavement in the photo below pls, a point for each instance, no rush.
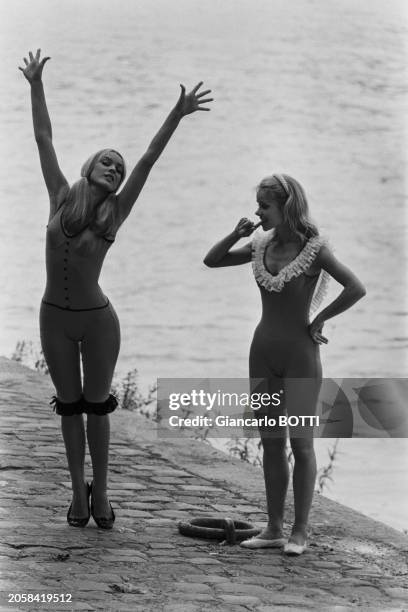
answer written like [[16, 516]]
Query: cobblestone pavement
[[144, 564]]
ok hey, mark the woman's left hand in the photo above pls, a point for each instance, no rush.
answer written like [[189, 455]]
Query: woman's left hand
[[33, 68], [315, 331], [190, 102]]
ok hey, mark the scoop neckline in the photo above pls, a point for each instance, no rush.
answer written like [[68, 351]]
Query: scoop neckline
[[290, 263]]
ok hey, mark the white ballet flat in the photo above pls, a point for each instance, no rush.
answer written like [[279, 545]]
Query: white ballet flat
[[255, 543], [294, 549]]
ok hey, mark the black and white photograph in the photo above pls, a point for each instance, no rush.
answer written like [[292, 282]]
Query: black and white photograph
[[204, 305]]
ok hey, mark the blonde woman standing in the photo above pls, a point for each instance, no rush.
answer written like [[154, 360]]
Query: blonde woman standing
[[291, 265], [77, 321]]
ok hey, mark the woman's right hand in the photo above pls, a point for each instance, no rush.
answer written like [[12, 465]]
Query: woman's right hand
[[245, 227], [33, 68]]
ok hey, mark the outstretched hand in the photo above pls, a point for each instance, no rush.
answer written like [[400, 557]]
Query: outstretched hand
[[33, 68], [190, 102]]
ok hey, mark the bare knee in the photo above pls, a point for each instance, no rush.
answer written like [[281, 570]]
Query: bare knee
[[302, 449], [273, 447]]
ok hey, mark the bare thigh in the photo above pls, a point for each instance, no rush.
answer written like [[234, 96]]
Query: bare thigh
[[292, 366], [100, 349], [61, 352], [266, 377], [302, 388]]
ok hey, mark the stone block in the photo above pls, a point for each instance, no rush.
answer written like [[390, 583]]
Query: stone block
[[240, 600], [192, 587]]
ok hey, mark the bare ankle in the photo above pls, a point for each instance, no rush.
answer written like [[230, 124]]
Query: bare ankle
[[299, 530]]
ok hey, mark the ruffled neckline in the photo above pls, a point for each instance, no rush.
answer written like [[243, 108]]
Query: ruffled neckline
[[296, 267]]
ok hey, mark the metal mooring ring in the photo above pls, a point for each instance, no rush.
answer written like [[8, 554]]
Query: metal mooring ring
[[218, 529]]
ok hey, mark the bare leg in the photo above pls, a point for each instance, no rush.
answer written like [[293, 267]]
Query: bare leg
[[275, 461], [276, 474], [100, 349], [73, 433], [301, 399], [304, 477], [98, 434], [62, 355]]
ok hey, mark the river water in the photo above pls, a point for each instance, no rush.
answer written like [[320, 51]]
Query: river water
[[314, 88]]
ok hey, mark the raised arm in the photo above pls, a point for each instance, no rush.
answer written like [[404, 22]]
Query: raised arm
[[186, 104], [220, 254], [54, 179], [353, 291]]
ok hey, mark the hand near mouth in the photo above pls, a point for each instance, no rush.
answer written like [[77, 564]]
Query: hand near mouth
[[245, 227]]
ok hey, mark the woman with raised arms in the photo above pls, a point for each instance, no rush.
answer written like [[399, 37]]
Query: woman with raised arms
[[291, 264], [77, 321]]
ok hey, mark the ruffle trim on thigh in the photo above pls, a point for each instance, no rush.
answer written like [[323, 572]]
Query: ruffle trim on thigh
[[66, 408], [100, 408]]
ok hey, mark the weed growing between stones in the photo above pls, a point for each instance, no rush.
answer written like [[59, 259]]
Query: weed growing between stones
[[31, 356], [246, 449], [250, 451], [130, 397], [325, 473]]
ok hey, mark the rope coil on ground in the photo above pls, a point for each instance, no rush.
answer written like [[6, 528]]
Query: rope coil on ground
[[218, 529]]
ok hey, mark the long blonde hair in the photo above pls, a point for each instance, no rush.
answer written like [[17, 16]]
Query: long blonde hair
[[292, 198], [78, 212]]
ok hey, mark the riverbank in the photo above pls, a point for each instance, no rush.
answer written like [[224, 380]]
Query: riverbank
[[144, 564]]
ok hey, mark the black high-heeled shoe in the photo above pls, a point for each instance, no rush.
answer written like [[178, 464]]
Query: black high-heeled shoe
[[79, 522], [103, 522]]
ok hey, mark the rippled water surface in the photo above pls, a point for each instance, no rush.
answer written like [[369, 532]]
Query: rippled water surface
[[313, 88]]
